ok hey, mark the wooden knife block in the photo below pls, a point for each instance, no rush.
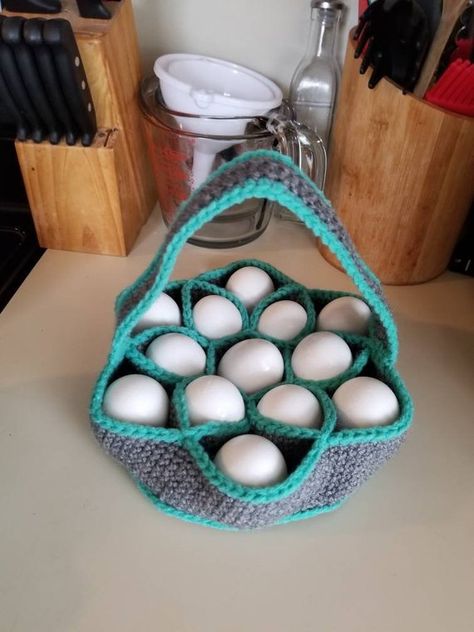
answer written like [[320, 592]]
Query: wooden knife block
[[401, 176], [96, 199]]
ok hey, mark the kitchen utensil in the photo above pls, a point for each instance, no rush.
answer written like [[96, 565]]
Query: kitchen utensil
[[401, 176], [432, 8], [173, 465], [58, 34], [12, 34], [464, 38], [393, 37], [464, 50], [172, 150], [451, 11], [207, 87], [14, 113], [93, 9], [17, 90], [33, 36], [454, 90], [32, 6], [363, 5], [94, 199]]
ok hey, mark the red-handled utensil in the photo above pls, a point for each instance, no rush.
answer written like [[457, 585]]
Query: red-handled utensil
[[454, 90]]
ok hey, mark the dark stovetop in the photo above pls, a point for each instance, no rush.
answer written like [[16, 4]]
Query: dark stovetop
[[19, 249]]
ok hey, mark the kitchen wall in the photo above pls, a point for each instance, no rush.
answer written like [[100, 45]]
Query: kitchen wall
[[267, 35]]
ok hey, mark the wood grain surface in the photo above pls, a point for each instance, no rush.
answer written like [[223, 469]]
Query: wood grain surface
[[110, 181], [112, 65], [401, 176], [79, 197]]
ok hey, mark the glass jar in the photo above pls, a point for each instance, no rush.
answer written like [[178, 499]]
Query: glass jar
[[181, 158]]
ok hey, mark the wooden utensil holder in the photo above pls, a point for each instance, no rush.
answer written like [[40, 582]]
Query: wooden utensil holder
[[401, 175], [96, 199]]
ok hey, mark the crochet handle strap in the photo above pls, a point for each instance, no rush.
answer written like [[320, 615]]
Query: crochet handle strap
[[258, 174]]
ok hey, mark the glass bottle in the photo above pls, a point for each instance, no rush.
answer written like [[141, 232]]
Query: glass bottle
[[314, 84]]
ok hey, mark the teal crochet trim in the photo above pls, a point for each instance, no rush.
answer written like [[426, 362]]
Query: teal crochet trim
[[372, 354], [194, 289], [292, 292], [365, 350], [161, 267], [379, 433], [204, 522], [260, 495]]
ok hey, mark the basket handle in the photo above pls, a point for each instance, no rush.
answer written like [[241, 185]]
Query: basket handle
[[258, 174]]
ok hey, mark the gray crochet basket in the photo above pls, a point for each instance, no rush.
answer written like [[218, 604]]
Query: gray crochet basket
[[173, 465]]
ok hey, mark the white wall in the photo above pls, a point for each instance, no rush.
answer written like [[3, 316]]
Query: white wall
[[267, 35]]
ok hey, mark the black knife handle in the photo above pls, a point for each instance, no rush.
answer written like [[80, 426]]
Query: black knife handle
[[22, 131], [32, 6], [33, 36], [93, 9], [58, 34], [12, 34], [11, 75]]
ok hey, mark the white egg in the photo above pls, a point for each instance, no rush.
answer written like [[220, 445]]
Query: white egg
[[163, 311], [321, 356], [250, 284], [178, 354], [213, 398], [251, 460], [215, 317], [137, 399], [283, 320], [292, 404], [252, 364], [346, 313], [365, 401]]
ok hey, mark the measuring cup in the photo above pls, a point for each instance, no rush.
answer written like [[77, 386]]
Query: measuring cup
[[179, 159]]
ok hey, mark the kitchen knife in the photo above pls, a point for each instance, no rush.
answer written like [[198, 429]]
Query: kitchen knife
[[59, 36], [451, 12], [432, 8], [393, 36], [33, 36], [12, 34], [12, 77], [32, 6], [93, 9], [13, 112]]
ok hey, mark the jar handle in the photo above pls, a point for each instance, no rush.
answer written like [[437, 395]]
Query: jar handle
[[303, 145]]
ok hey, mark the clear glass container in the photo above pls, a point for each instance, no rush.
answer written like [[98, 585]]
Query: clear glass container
[[314, 85], [178, 156]]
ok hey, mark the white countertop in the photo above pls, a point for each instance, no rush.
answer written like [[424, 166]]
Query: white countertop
[[81, 549]]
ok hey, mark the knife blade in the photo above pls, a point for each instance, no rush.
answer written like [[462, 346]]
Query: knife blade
[[12, 77], [93, 9], [22, 130], [12, 34], [59, 36], [32, 6], [33, 36], [432, 8]]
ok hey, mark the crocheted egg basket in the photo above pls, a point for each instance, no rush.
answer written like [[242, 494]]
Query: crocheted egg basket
[[173, 465]]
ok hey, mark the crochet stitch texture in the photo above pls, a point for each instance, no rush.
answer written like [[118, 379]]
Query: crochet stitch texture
[[173, 465]]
